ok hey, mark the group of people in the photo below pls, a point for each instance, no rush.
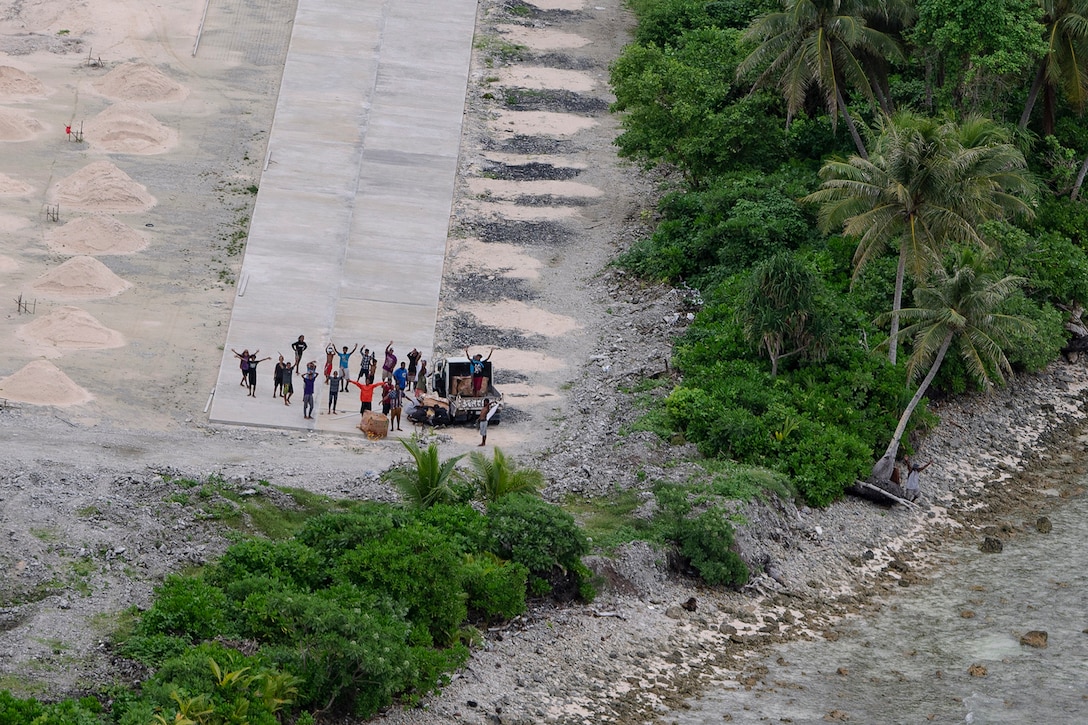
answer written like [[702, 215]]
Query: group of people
[[395, 382]]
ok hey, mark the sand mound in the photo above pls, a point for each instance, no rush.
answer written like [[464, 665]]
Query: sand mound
[[101, 186], [80, 277], [42, 383], [140, 82], [95, 235], [71, 328], [14, 83], [127, 130], [13, 187], [17, 127]]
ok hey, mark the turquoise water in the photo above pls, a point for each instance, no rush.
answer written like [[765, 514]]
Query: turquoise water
[[909, 662]]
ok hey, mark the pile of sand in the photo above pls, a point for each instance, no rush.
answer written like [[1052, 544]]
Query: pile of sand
[[18, 127], [71, 328], [80, 278], [127, 130], [95, 235], [13, 187], [14, 83], [101, 186], [539, 123], [140, 82], [42, 383]]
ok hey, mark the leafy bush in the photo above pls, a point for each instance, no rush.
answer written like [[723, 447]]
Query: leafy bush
[[418, 567], [496, 588], [542, 537], [186, 607], [706, 541], [17, 711]]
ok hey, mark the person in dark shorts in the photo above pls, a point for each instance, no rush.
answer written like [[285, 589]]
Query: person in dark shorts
[[366, 394], [413, 368], [253, 363], [308, 379], [288, 384], [334, 389], [277, 377], [243, 365], [396, 405], [299, 346]]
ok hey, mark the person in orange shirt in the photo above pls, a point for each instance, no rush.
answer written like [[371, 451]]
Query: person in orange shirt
[[366, 394]]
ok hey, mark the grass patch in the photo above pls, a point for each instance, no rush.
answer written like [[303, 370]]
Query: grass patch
[[45, 534], [737, 481], [88, 512], [609, 521]]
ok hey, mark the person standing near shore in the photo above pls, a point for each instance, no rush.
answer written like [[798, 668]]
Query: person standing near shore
[[914, 476], [308, 379]]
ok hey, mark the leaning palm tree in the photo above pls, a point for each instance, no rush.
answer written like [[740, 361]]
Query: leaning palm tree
[[428, 482], [956, 307], [501, 476], [929, 183], [1064, 65], [825, 45]]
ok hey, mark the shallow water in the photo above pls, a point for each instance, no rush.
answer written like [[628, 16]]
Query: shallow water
[[909, 662]]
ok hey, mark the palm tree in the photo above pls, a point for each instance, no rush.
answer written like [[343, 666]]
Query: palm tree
[[957, 307], [1064, 65], [778, 310], [823, 45], [929, 183], [501, 476], [429, 481]]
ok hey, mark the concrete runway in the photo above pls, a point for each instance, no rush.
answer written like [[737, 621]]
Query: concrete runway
[[348, 237]]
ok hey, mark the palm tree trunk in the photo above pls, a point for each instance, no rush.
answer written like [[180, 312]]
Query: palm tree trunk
[[1033, 94], [850, 125], [883, 467], [1080, 180], [897, 304]]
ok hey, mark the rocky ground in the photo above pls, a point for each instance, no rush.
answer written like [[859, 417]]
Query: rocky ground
[[93, 516]]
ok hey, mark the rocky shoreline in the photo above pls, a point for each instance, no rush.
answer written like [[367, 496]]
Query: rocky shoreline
[[638, 652]]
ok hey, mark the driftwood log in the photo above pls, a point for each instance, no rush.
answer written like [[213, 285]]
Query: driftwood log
[[882, 491]]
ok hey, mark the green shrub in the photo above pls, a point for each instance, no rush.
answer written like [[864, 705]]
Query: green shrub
[[228, 687], [418, 567], [186, 607], [465, 527], [706, 542], [496, 588], [290, 561], [153, 649], [332, 534], [17, 711], [542, 537]]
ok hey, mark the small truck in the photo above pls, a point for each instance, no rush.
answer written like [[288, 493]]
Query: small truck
[[453, 381]]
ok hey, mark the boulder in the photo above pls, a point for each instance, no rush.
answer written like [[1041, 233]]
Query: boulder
[[990, 545], [1035, 638]]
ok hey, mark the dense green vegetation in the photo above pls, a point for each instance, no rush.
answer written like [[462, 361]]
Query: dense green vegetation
[[835, 168], [346, 610]]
